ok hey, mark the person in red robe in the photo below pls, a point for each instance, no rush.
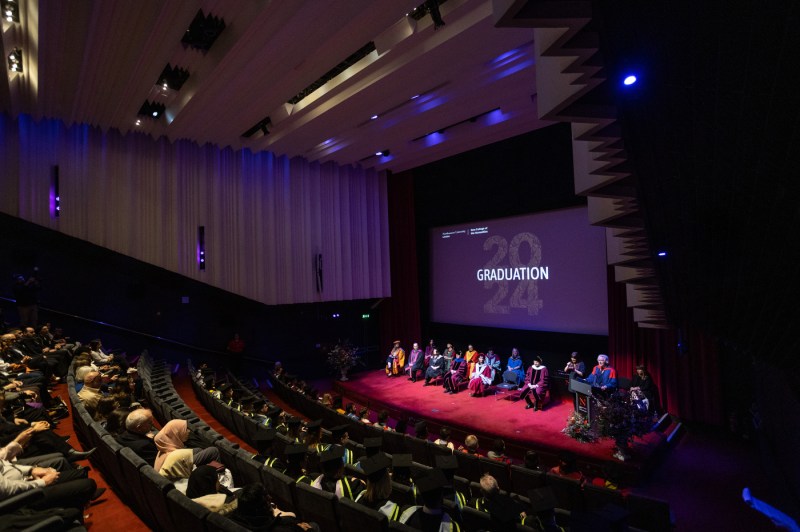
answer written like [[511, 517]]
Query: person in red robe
[[456, 375], [537, 381], [481, 377]]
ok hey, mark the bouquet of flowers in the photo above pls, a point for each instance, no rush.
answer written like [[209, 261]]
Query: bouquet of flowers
[[621, 419], [578, 427], [343, 357]]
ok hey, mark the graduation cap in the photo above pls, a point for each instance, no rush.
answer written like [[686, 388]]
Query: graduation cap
[[375, 466], [225, 387], [264, 436], [421, 426], [273, 411], [401, 460], [373, 443], [332, 454], [258, 405], [295, 450], [542, 499], [338, 431], [293, 421], [446, 462], [311, 425], [247, 401], [431, 481]]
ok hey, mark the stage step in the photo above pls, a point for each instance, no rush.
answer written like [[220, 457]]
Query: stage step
[[662, 423], [675, 434]]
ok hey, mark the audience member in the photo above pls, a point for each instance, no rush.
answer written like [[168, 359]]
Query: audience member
[[470, 445], [138, 435]]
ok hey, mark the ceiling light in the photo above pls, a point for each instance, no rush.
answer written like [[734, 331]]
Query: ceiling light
[[629, 80], [373, 117], [11, 11], [15, 60]]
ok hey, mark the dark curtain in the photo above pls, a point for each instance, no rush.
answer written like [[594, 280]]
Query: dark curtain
[[687, 376], [399, 314]]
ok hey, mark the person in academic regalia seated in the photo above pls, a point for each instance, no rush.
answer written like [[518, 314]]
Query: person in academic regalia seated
[[481, 378], [431, 516], [429, 349], [603, 376], [537, 381], [264, 441], [493, 361], [379, 486], [295, 455], [515, 365], [457, 374], [435, 368], [396, 362], [333, 479], [416, 362]]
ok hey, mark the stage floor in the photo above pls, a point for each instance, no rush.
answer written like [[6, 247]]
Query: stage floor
[[487, 417]]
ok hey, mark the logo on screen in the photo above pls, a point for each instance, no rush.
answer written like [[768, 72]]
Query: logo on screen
[[506, 271]]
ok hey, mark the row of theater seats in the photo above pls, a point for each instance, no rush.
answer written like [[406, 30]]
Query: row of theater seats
[[646, 513]]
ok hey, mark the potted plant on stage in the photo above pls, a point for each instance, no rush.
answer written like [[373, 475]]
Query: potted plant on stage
[[343, 357]]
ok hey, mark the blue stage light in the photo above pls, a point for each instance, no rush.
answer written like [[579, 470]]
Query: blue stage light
[[629, 80], [662, 253]]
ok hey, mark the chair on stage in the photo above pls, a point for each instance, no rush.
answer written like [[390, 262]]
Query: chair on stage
[[508, 386]]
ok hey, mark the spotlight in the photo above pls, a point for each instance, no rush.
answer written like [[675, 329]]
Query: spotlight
[[382, 153], [662, 253], [11, 11], [629, 80], [15, 60], [373, 117], [151, 109], [415, 97]]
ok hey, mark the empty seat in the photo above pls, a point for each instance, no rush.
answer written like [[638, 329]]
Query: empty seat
[[218, 523], [419, 450], [280, 487], [317, 505], [130, 464], [567, 491], [156, 488], [475, 519], [595, 497], [523, 480]]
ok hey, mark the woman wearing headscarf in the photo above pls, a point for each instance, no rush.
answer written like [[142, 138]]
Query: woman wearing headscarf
[[173, 457]]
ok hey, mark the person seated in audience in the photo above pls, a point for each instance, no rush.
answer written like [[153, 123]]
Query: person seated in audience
[[493, 361], [401, 426], [170, 444], [115, 422], [498, 451], [435, 367], [421, 430], [327, 400], [333, 479], [515, 364], [134, 383], [296, 460], [273, 417], [378, 490], [444, 438], [339, 438], [642, 384], [480, 378], [431, 516], [542, 510], [265, 451], [567, 466], [416, 362], [138, 435], [383, 417], [611, 479], [448, 464], [350, 411], [294, 429], [204, 489], [603, 377], [470, 446], [254, 511], [401, 471], [457, 375], [372, 446], [537, 382], [575, 367], [505, 512], [105, 406], [90, 394], [363, 415], [278, 371], [337, 404], [101, 358], [531, 461], [396, 361]]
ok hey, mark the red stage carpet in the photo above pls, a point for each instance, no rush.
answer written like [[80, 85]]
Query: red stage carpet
[[487, 417]]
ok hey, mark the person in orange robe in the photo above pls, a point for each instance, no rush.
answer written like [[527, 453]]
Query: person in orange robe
[[396, 361], [471, 357]]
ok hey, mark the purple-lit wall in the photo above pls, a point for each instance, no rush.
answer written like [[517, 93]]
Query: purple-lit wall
[[266, 217]]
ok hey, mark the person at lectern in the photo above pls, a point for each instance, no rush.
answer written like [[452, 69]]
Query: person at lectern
[[536, 383], [481, 377], [575, 367], [396, 360], [515, 365], [603, 376]]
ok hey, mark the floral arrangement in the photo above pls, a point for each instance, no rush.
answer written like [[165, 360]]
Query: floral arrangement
[[343, 356], [578, 427]]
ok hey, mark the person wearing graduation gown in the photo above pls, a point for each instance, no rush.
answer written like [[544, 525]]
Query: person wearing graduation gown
[[416, 362], [537, 381], [295, 455], [481, 378], [332, 479], [378, 492], [431, 516], [264, 444], [515, 364], [456, 375], [396, 361], [471, 356], [493, 361], [435, 368]]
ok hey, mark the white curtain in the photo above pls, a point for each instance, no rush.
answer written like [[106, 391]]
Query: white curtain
[[265, 217]]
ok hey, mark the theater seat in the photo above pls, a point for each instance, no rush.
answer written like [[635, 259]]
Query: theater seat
[[357, 517], [187, 515], [318, 506]]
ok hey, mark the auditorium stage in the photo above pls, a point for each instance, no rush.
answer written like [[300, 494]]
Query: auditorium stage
[[487, 417]]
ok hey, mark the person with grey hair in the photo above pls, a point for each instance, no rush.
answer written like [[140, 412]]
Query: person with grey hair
[[138, 434], [603, 376]]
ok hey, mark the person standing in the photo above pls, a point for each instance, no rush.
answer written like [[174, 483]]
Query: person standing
[[603, 376], [26, 293]]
